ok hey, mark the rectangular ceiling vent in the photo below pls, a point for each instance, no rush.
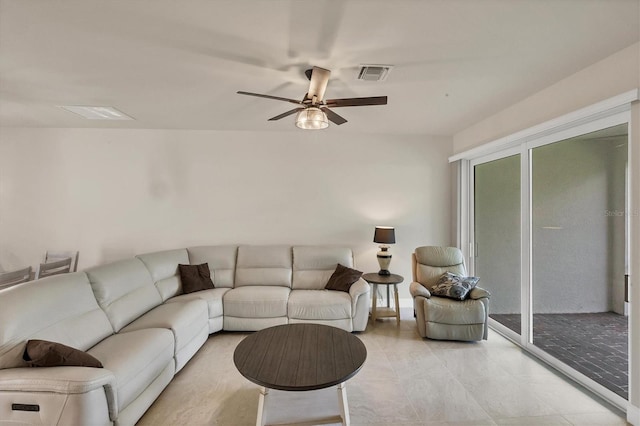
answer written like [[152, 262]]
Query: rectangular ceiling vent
[[374, 72], [97, 112]]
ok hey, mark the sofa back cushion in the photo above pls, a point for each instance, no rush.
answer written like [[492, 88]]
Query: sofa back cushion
[[221, 261], [61, 308], [163, 267], [124, 290], [263, 265], [433, 261], [313, 266]]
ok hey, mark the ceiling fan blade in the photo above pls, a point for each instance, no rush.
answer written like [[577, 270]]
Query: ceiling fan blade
[[333, 117], [373, 100], [318, 83], [285, 114], [277, 98]]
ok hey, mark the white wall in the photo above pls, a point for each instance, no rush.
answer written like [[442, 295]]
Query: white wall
[[610, 77], [113, 193], [613, 75]]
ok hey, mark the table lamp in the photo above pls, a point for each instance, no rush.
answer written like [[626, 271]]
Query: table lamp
[[384, 235]]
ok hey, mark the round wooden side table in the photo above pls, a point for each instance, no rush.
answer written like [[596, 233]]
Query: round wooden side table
[[375, 279]]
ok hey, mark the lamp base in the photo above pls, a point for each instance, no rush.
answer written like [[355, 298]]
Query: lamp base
[[384, 259]]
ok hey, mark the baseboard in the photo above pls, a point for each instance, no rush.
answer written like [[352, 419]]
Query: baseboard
[[633, 415]]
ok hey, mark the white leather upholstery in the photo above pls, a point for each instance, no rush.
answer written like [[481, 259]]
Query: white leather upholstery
[[124, 290], [221, 261], [89, 408], [163, 267], [185, 320], [344, 324], [157, 329], [251, 324], [84, 395], [313, 265], [137, 407], [256, 302], [440, 317], [212, 297], [448, 311], [263, 266], [432, 262], [319, 305], [136, 359], [360, 302], [60, 308]]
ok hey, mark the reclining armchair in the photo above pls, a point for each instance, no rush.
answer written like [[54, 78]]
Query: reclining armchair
[[444, 318]]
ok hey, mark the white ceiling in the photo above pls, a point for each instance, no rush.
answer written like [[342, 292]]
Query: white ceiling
[[177, 64]]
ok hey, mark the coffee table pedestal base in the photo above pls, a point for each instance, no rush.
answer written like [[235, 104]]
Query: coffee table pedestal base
[[303, 408]]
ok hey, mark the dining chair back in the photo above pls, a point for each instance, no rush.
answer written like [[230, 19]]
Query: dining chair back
[[53, 256], [54, 268], [9, 279]]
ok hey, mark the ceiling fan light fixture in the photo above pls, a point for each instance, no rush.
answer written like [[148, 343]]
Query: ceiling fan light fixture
[[312, 118]]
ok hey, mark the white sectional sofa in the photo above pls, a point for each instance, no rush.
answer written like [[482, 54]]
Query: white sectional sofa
[[132, 316]]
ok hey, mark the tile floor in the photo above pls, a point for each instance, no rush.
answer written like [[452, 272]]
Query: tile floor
[[595, 344], [406, 380]]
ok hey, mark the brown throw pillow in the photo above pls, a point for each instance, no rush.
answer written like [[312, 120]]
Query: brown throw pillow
[[41, 353], [195, 277], [342, 278]]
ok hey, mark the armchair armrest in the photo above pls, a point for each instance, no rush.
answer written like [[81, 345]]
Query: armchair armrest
[[479, 293], [416, 289], [358, 289], [63, 380]]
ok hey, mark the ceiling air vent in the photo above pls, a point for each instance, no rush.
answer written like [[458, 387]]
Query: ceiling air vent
[[97, 112], [374, 72]]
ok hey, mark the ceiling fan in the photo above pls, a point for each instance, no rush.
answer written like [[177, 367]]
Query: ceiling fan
[[313, 110]]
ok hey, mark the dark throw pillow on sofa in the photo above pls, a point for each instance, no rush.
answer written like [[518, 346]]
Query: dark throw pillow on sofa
[[41, 353], [342, 278], [195, 277], [454, 286]]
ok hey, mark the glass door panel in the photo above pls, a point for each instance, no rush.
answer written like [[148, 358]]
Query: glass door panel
[[578, 254], [497, 237]]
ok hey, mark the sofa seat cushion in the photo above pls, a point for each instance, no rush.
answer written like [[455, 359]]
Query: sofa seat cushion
[[185, 320], [448, 311], [213, 298], [319, 305], [256, 302], [135, 359]]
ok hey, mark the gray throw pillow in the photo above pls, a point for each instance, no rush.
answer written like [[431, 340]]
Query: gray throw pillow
[[195, 277], [343, 278], [454, 286]]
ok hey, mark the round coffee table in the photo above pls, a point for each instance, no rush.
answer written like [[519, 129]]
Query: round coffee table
[[300, 357]]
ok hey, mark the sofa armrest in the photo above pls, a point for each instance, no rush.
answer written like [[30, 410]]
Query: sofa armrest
[[416, 289], [359, 288], [479, 293], [62, 380]]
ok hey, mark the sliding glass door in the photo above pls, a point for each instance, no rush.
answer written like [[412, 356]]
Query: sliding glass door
[[496, 254], [578, 254], [548, 236]]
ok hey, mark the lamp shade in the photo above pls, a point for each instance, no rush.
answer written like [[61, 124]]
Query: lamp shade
[[312, 118], [384, 235]]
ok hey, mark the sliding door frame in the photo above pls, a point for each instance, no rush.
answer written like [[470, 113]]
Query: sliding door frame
[[609, 113]]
